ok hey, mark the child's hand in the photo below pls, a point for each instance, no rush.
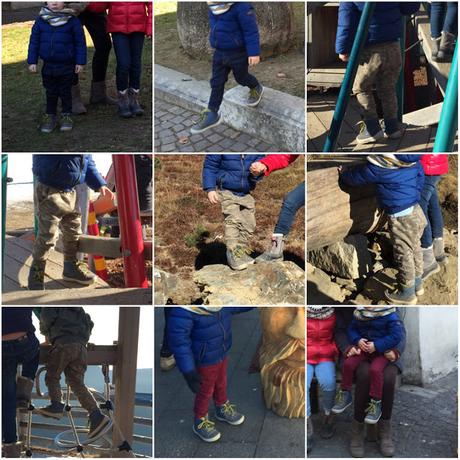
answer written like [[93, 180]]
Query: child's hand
[[79, 68], [362, 344], [257, 168], [104, 191], [390, 355], [354, 351], [33, 68], [253, 60], [370, 347], [213, 197], [344, 57], [340, 169]]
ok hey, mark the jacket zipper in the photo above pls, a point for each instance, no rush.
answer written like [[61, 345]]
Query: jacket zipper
[[223, 330]]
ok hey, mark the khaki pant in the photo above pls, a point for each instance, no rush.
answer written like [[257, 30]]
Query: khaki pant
[[380, 65], [70, 358], [405, 233], [54, 208], [239, 218]]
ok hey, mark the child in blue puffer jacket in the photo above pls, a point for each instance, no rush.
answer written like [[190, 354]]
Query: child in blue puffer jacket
[[200, 339], [399, 180], [59, 40], [234, 37], [379, 65], [227, 179]]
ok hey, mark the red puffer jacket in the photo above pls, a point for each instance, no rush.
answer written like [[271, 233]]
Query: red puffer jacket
[[435, 164], [126, 17], [320, 340], [274, 162]]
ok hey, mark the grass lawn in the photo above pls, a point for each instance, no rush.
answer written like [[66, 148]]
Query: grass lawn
[[100, 130], [169, 53]]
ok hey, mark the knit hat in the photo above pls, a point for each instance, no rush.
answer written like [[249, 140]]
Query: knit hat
[[388, 161], [219, 7], [319, 312], [369, 313]]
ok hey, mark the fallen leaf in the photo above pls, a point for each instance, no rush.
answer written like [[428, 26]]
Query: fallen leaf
[[281, 75], [184, 140]]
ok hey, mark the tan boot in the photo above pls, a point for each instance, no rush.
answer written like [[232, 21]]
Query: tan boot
[[77, 104], [387, 448], [23, 392], [357, 439], [99, 94], [12, 450]]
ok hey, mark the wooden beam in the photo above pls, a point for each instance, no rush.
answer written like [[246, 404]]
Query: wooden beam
[[125, 373], [334, 210], [107, 247]]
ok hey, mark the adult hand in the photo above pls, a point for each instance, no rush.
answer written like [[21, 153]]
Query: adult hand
[[344, 57], [213, 197], [193, 380], [79, 68], [354, 351], [104, 191], [253, 60], [257, 168], [33, 68], [390, 355]]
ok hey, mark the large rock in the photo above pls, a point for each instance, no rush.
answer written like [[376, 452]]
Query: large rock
[[169, 288], [349, 258], [320, 289], [280, 283]]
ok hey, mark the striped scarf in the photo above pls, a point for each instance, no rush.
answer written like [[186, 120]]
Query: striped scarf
[[219, 7], [388, 161], [56, 18], [319, 312], [362, 314]]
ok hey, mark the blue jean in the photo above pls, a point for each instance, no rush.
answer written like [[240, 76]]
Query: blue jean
[[14, 352], [222, 64], [443, 16], [429, 202], [325, 374], [293, 201], [128, 50]]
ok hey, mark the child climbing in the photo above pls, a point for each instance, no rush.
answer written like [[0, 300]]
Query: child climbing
[[56, 205], [68, 330], [321, 355], [379, 65], [444, 29], [57, 38], [399, 181], [200, 339], [234, 37], [226, 179], [374, 332]]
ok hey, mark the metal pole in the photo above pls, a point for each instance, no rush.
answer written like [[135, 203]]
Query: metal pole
[[445, 136], [400, 82], [347, 84], [4, 179], [130, 221]]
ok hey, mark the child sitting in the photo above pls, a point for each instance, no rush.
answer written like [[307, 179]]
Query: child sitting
[[68, 330], [200, 339], [321, 354], [399, 180], [226, 179], [235, 39], [373, 332], [380, 62], [58, 39]]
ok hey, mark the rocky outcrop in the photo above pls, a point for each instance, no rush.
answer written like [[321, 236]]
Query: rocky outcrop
[[321, 290], [170, 289]]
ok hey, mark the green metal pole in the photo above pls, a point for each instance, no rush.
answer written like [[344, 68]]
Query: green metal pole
[[400, 83], [350, 73], [4, 177], [447, 128]]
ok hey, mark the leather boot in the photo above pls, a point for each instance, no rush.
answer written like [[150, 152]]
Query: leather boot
[[124, 110], [357, 439], [99, 94], [77, 104], [387, 448], [134, 105]]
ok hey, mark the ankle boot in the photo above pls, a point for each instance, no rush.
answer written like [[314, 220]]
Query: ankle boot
[[387, 448], [430, 266], [438, 250], [276, 249], [99, 94], [77, 104], [134, 105], [446, 47], [24, 387], [327, 428], [123, 104], [357, 439]]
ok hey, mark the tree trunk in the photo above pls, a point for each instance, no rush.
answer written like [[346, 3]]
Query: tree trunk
[[275, 21], [335, 210]]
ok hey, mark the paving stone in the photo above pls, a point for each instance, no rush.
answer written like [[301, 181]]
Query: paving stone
[[168, 148]]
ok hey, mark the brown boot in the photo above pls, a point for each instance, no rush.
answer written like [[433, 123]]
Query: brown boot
[[77, 104], [357, 439], [99, 94], [387, 448], [327, 428]]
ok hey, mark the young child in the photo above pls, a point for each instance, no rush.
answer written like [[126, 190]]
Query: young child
[[235, 39], [129, 23], [56, 205], [226, 179], [58, 39], [321, 354], [399, 181], [68, 329], [380, 62], [373, 332], [200, 339]]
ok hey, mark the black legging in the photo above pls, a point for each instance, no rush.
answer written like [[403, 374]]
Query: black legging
[[362, 390]]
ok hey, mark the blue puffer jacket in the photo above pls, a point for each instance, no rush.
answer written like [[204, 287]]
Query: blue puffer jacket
[[396, 189], [198, 339], [386, 331], [60, 48], [385, 26], [230, 172], [64, 172], [235, 30]]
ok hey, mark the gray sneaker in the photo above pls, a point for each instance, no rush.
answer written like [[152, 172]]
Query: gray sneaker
[[255, 96], [374, 412], [77, 271], [49, 122], [53, 410], [276, 250], [227, 413], [66, 122], [238, 258], [342, 401], [206, 430]]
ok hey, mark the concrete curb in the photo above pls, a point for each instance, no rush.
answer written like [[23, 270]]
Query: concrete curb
[[279, 119]]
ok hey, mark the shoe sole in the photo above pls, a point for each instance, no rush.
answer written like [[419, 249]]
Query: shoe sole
[[255, 104], [99, 428], [48, 415], [400, 302], [370, 140], [64, 130], [396, 135], [432, 272], [373, 422], [239, 422], [46, 131], [84, 283], [214, 439], [336, 411], [217, 123]]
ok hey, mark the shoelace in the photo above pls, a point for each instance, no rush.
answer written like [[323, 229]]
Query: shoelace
[[240, 251], [362, 126], [39, 275], [206, 424], [372, 408], [228, 409], [253, 92], [81, 266], [340, 397], [67, 118], [203, 114]]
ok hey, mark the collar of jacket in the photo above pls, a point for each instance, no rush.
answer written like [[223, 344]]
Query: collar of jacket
[[388, 161], [203, 310], [361, 314]]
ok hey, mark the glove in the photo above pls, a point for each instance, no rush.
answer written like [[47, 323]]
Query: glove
[[193, 380]]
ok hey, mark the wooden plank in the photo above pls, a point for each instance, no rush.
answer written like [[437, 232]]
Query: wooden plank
[[424, 117]]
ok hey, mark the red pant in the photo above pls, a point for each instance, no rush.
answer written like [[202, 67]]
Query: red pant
[[213, 385], [377, 362]]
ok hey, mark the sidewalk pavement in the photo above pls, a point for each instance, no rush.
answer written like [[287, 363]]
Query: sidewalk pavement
[[263, 434], [424, 423]]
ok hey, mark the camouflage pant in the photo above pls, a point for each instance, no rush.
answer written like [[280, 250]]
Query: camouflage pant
[[239, 218], [54, 208], [380, 65], [71, 359], [405, 233]]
